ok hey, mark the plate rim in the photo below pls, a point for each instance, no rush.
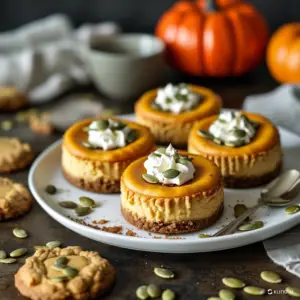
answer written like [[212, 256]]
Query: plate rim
[[248, 237]]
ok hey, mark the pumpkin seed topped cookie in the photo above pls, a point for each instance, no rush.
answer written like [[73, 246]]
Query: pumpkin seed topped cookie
[[64, 273], [170, 112], [14, 155], [15, 199], [11, 99]]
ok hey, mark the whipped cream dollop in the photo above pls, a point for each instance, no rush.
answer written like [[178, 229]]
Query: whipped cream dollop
[[176, 98], [108, 134], [233, 128], [166, 166]]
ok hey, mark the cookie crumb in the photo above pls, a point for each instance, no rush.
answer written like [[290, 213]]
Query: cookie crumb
[[40, 123], [101, 222], [112, 229], [130, 233]]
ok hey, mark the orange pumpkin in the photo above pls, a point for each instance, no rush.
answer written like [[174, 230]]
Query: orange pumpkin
[[283, 53], [213, 37]]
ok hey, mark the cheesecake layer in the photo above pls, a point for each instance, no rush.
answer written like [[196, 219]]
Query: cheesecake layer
[[172, 209]]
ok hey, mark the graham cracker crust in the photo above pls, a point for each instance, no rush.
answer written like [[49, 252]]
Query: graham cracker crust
[[174, 227], [248, 182], [101, 185]]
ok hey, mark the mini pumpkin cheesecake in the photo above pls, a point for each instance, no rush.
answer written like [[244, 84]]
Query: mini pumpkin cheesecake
[[96, 152], [172, 193], [170, 112], [245, 146]]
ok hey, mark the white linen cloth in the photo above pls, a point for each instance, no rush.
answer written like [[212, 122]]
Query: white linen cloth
[[43, 58], [282, 106]]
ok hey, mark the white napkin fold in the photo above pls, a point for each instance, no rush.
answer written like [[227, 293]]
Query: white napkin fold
[[282, 106], [43, 58]]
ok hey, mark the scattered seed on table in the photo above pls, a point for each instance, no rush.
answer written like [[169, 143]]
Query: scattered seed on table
[[8, 260], [270, 277], [20, 233], [168, 295], [164, 273], [2, 254], [7, 125], [153, 291], [225, 294], [18, 252], [254, 290], [293, 291], [141, 292], [53, 244], [214, 298], [233, 283]]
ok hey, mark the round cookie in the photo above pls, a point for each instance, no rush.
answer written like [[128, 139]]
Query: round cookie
[[14, 155], [11, 99], [38, 280], [15, 199]]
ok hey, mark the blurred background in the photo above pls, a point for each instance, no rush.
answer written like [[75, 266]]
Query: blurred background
[[132, 15]]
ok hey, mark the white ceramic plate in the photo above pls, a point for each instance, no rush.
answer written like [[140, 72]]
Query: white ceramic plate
[[47, 170]]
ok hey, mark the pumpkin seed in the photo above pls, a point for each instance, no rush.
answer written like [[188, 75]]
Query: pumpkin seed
[[102, 124], [217, 141], [259, 224], [254, 290], [117, 125], [58, 267], [156, 154], [203, 235], [183, 160], [70, 272], [18, 252], [2, 254], [171, 173], [7, 125], [156, 106], [82, 211], [226, 294], [292, 209], [234, 283], [168, 295], [62, 260], [20, 233], [131, 136], [247, 227], [150, 178], [51, 189], [59, 278], [161, 150], [205, 134], [234, 143], [53, 244], [293, 291], [87, 145], [153, 291], [239, 133], [239, 209], [87, 202], [68, 204], [270, 277], [142, 293], [164, 273], [86, 129], [8, 260], [213, 298]]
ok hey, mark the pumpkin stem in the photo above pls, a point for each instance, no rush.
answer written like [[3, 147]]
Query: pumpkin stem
[[211, 5]]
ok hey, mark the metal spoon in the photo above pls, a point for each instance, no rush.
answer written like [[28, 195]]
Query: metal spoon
[[279, 192]]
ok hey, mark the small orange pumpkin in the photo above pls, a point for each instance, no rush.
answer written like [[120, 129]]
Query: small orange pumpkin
[[213, 37], [283, 53]]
